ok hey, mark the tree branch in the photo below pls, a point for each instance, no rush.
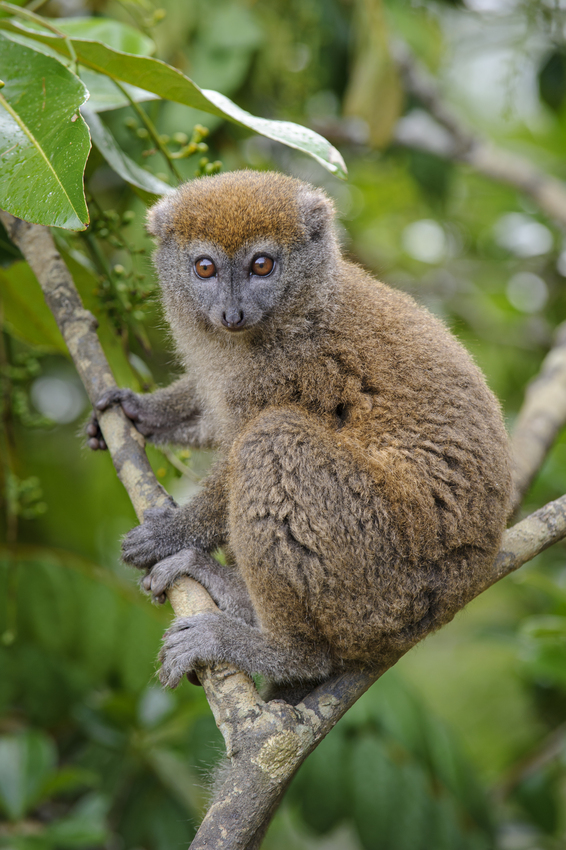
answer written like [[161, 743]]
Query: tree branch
[[544, 410], [78, 328], [541, 417], [265, 742], [451, 139]]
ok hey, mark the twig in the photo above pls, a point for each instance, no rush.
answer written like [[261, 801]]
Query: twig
[[149, 126], [265, 742], [461, 144], [545, 752], [180, 466], [541, 417]]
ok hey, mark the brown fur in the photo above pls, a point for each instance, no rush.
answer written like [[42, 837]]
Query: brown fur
[[268, 210], [365, 476]]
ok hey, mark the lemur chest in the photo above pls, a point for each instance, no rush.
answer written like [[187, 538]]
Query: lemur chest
[[234, 389]]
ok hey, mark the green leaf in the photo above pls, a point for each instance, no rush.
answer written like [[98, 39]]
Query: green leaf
[[292, 135], [113, 33], [176, 776], [26, 762], [42, 134], [25, 310], [105, 95], [165, 81], [84, 827], [119, 161]]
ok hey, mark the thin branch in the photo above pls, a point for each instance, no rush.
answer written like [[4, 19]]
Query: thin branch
[[546, 751], [154, 135], [180, 466], [265, 742], [78, 328], [459, 143], [541, 418], [543, 414]]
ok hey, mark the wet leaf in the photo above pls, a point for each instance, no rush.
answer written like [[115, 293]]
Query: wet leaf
[[104, 94], [41, 134]]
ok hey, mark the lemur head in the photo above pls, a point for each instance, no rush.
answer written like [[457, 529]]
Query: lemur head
[[237, 248]]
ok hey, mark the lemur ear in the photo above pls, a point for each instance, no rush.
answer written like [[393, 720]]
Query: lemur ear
[[318, 211], [159, 218]]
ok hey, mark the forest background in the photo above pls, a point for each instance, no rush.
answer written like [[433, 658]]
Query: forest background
[[463, 743]]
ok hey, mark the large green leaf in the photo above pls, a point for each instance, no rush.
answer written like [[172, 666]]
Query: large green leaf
[[44, 142], [165, 81], [26, 762], [119, 161], [104, 94], [25, 310]]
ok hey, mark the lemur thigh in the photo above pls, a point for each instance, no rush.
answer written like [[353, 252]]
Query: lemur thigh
[[318, 539]]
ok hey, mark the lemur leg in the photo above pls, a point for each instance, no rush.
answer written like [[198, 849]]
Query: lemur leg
[[327, 542], [295, 536], [207, 638]]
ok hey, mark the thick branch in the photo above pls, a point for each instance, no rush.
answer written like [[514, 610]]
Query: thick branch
[[541, 418], [459, 143], [265, 742], [284, 736], [544, 410]]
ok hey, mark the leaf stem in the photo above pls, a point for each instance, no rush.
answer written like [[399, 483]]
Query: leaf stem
[[35, 4], [150, 127], [42, 22]]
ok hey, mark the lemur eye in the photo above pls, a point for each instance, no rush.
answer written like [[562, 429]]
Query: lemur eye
[[205, 267], [262, 266]]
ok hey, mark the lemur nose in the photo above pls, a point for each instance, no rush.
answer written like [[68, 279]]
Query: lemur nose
[[233, 320]]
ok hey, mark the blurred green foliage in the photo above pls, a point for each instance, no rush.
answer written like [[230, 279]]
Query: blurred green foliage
[[463, 744]]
